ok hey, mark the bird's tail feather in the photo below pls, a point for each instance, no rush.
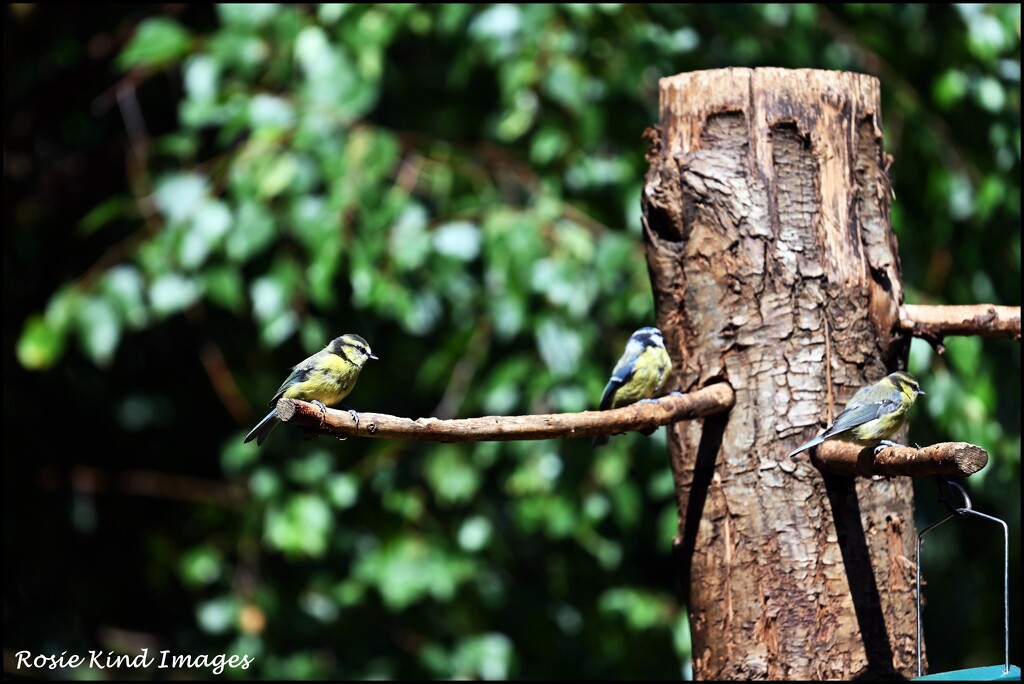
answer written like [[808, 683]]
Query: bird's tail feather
[[263, 428], [804, 447]]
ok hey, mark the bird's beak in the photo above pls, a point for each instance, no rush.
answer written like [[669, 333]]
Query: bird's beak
[[920, 391], [374, 357]]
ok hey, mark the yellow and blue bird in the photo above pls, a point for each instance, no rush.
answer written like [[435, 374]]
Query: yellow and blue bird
[[640, 374], [324, 378], [874, 413]]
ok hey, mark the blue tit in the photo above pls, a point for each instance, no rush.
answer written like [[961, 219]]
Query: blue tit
[[875, 413], [640, 374], [324, 378]]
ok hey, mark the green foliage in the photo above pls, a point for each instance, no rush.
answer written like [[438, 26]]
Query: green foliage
[[460, 185], [157, 42]]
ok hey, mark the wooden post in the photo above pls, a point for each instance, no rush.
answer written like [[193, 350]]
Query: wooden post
[[766, 214]]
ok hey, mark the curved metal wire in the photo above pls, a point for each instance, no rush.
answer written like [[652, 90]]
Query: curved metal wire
[[962, 512]]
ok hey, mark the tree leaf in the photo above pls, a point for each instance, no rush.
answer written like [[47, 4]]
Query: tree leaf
[[157, 42]]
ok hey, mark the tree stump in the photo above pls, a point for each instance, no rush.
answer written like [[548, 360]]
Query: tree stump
[[775, 269]]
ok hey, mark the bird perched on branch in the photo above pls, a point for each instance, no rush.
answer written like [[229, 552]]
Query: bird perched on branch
[[874, 413], [324, 378], [640, 374]]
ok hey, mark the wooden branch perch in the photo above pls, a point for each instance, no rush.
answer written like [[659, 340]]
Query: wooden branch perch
[[640, 417], [950, 459], [984, 320]]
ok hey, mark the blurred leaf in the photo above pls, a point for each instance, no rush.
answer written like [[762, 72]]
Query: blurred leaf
[[236, 456], [247, 14], [460, 239], [156, 42], [559, 346], [452, 477], [407, 569], [200, 566], [548, 144], [124, 287], [681, 636], [474, 533], [270, 112], [300, 526], [217, 615], [500, 22], [626, 504], [201, 77], [40, 345], [98, 328], [252, 231], [555, 516], [209, 224], [642, 610], [264, 482], [271, 296], [311, 468], [410, 243], [320, 606], [487, 656], [103, 214], [172, 293], [225, 287], [278, 175], [343, 490], [536, 474], [990, 94], [178, 195], [950, 88]]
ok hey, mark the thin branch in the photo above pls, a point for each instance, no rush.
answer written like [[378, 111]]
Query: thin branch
[[950, 459], [640, 417], [90, 480], [462, 374], [134, 122], [984, 320], [223, 381]]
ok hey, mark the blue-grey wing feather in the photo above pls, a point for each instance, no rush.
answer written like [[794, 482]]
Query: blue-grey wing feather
[[853, 416], [624, 370], [299, 374]]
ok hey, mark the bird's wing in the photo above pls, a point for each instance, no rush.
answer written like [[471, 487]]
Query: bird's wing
[[852, 416], [300, 373], [624, 370]]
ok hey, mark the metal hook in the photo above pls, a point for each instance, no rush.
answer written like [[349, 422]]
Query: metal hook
[[963, 512], [944, 487]]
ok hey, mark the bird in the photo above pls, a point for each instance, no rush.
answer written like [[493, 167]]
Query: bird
[[874, 413], [639, 375], [324, 378]]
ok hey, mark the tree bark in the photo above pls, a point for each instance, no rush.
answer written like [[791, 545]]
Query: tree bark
[[774, 267]]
